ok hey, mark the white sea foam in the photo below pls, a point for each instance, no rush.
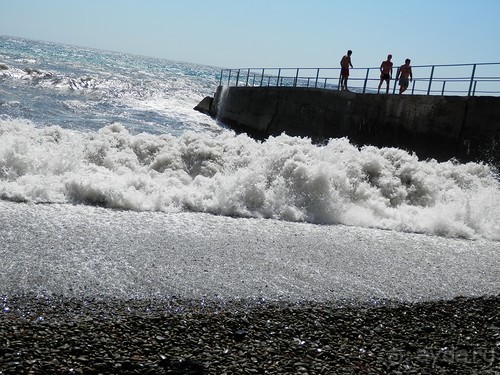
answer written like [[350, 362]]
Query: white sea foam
[[284, 178]]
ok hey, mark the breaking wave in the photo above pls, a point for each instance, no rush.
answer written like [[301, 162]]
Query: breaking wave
[[283, 178]]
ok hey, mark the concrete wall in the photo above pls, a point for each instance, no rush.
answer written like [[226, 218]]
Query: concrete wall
[[440, 127]]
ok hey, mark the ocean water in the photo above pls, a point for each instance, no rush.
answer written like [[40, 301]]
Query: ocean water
[[111, 184]]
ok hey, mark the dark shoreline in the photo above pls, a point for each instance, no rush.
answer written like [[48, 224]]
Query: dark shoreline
[[174, 336]]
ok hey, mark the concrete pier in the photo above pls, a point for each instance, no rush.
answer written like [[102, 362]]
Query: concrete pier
[[439, 127]]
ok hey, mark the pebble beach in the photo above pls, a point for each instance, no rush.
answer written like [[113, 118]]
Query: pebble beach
[[57, 335]]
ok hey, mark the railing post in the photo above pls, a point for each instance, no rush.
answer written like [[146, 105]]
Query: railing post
[[253, 81], [430, 80], [474, 91], [396, 81], [229, 77], [248, 76], [413, 87], [296, 78], [442, 90], [278, 79], [220, 79], [366, 79], [237, 77], [317, 76], [262, 77], [472, 79]]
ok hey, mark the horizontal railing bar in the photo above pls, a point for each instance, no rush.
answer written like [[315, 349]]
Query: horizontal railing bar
[[326, 68]]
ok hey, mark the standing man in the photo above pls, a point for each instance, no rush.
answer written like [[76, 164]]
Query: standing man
[[405, 73], [345, 63], [385, 73]]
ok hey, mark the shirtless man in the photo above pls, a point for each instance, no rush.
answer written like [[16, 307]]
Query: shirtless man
[[404, 72], [385, 73], [345, 62]]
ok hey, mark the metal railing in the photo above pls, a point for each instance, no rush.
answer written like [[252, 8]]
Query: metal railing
[[452, 79]]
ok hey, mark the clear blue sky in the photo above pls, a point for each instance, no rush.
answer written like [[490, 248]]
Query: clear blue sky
[[267, 33]]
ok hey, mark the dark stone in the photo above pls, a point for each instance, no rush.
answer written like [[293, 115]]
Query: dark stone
[[239, 335], [182, 366], [204, 105]]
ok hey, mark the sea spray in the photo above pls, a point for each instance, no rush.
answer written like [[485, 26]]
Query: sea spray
[[283, 178]]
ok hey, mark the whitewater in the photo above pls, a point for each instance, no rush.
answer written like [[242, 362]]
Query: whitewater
[[112, 185]]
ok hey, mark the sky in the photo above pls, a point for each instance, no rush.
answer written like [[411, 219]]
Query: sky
[[267, 33]]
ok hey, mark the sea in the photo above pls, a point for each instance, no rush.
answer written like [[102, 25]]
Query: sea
[[113, 186]]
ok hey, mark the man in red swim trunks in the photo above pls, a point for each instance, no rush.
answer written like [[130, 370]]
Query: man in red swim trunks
[[385, 73], [345, 62]]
